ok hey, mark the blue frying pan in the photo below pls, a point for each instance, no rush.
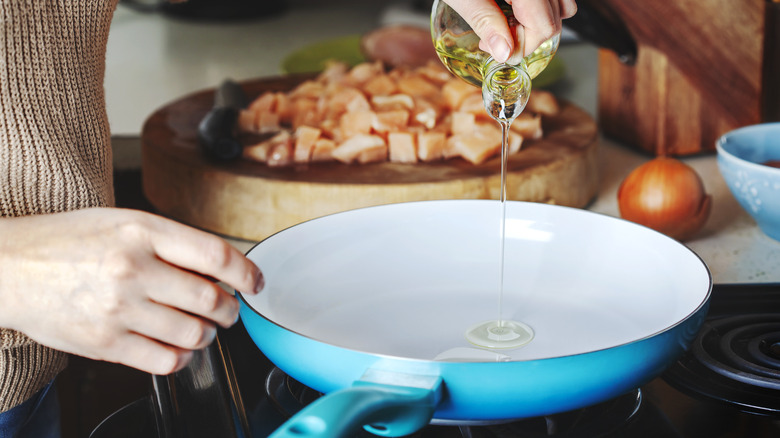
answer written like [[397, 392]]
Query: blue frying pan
[[372, 307]]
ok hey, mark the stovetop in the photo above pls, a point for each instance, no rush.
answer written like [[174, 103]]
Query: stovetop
[[726, 386]]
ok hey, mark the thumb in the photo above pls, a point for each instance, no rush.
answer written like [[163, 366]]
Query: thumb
[[490, 25]]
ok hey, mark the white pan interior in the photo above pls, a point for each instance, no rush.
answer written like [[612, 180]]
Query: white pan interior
[[409, 280]]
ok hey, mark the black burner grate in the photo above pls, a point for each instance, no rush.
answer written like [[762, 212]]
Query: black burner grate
[[742, 348], [735, 359]]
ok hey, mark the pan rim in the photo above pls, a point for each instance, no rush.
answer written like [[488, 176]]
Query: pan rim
[[705, 299]]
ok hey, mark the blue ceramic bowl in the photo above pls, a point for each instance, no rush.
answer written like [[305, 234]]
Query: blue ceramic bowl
[[741, 157]]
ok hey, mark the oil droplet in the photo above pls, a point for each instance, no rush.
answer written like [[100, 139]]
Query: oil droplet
[[500, 334]]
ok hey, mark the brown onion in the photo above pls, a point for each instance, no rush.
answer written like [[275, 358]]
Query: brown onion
[[666, 195]]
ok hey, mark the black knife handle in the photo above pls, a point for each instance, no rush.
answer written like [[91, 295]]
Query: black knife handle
[[217, 134], [592, 25], [229, 94], [218, 131]]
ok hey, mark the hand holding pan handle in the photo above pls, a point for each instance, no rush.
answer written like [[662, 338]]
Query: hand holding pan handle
[[384, 403]]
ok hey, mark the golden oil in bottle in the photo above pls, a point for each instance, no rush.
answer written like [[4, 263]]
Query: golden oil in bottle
[[457, 45]]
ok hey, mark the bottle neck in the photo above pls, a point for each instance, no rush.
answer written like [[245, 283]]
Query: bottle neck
[[499, 76], [505, 89]]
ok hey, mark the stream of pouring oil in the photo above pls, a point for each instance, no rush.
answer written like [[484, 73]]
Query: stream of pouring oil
[[505, 92]]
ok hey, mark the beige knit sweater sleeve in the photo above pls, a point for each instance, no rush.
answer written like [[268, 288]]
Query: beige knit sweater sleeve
[[55, 150]]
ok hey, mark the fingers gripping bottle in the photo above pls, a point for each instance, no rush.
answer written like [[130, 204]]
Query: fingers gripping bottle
[[457, 45]]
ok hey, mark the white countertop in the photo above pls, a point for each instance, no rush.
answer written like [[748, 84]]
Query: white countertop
[[153, 59]]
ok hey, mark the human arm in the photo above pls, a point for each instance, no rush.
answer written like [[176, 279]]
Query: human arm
[[119, 285], [541, 19]]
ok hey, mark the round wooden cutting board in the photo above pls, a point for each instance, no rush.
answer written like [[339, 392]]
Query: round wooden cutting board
[[249, 200]]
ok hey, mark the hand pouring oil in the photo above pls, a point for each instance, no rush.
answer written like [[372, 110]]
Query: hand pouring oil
[[457, 45], [506, 88]]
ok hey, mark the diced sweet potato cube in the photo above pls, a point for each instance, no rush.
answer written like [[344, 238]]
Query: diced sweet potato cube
[[489, 130], [392, 102], [342, 99], [478, 147], [305, 137], [430, 145], [396, 73], [323, 149], [528, 126], [473, 104], [419, 130], [417, 86], [305, 113], [426, 113], [261, 115], [330, 128], [426, 117], [264, 102], [473, 148], [267, 122], [515, 142], [354, 123], [337, 136], [387, 121], [257, 152], [373, 155], [262, 151], [284, 108], [359, 103], [456, 90], [363, 72], [442, 128], [349, 150], [402, 147], [543, 102], [281, 155], [334, 71], [380, 85], [308, 90], [462, 123], [451, 148], [435, 72], [246, 120]]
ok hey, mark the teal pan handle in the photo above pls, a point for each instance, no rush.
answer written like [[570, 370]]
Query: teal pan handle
[[385, 410]]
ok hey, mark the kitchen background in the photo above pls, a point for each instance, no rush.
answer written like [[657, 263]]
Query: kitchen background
[[155, 57]]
